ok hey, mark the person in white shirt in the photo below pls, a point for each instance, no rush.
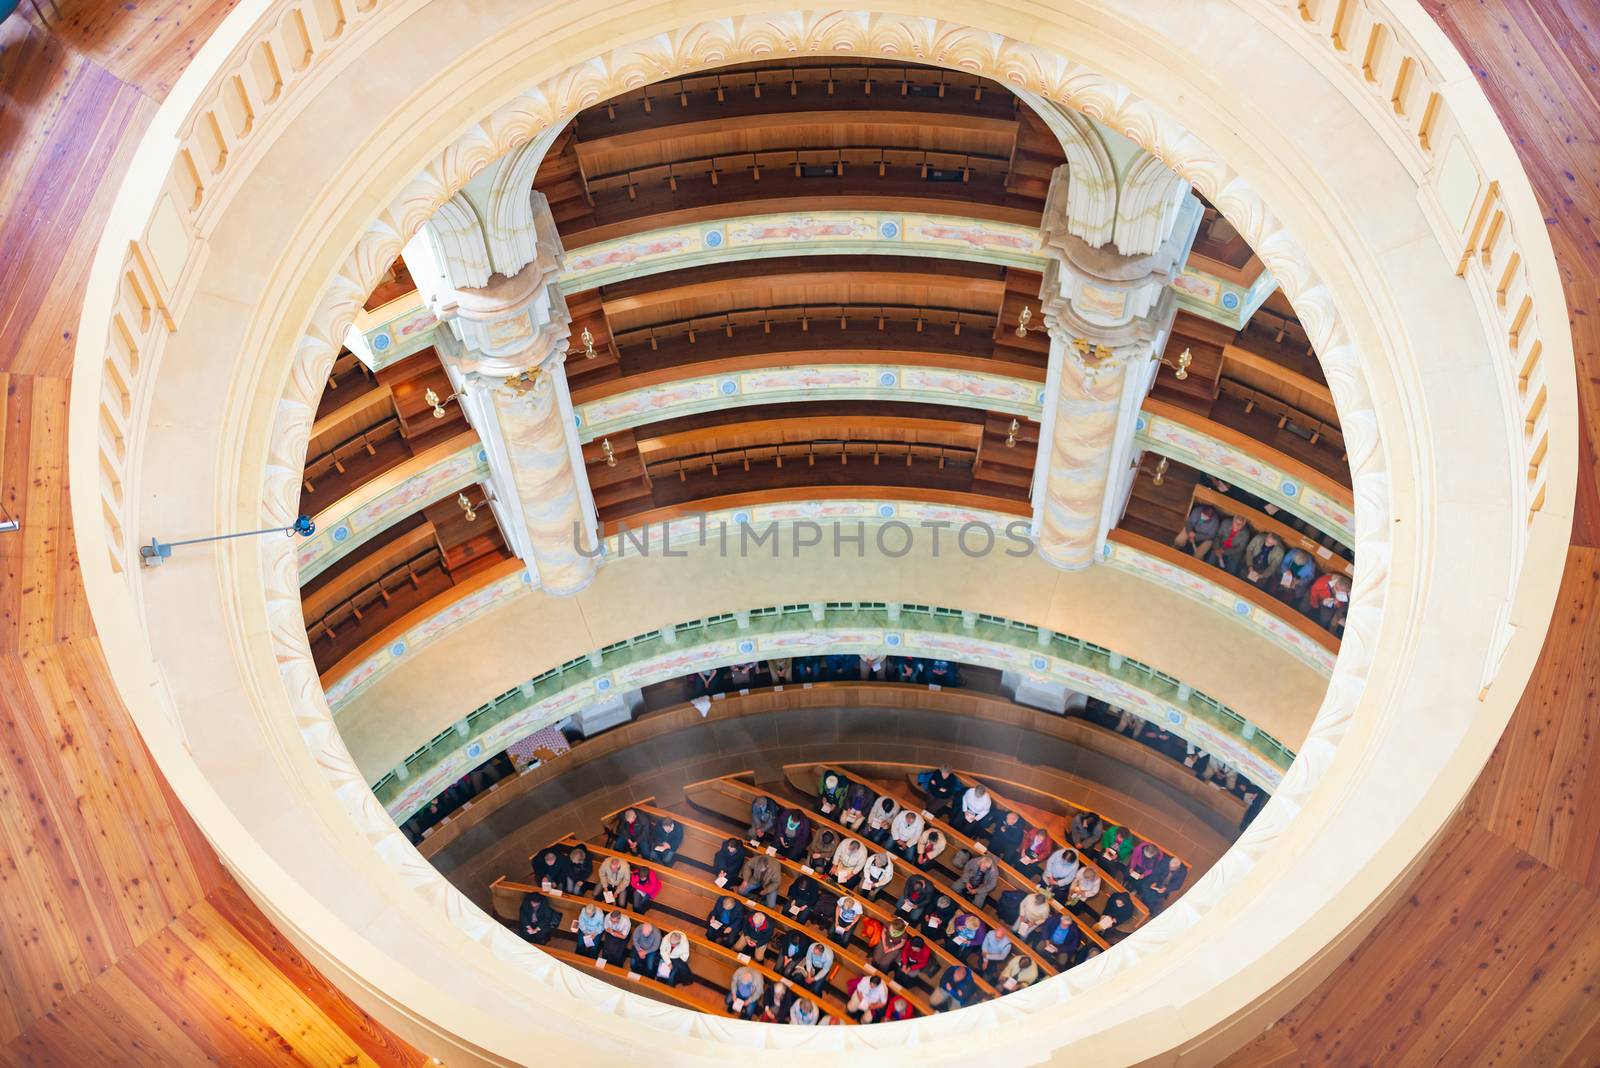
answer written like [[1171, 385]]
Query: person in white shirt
[[876, 875], [904, 832], [672, 962], [1085, 885], [848, 861], [973, 818], [1060, 868], [883, 812], [868, 998]]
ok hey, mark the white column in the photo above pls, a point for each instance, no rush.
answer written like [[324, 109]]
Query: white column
[[1108, 313], [505, 357]]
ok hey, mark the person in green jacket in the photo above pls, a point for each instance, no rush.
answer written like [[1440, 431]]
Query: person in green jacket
[[830, 792], [1116, 845]]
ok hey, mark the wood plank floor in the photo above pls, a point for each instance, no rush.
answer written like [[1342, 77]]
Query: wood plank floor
[[122, 941]]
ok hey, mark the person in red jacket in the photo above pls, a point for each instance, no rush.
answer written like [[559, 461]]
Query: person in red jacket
[[644, 886]]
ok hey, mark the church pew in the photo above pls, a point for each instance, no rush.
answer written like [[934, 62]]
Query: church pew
[[803, 777], [710, 963], [732, 798], [702, 841], [695, 896]]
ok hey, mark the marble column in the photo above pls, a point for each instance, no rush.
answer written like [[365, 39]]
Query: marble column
[[505, 354], [1108, 314]]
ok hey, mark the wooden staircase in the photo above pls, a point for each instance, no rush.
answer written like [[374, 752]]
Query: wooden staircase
[[1204, 341], [1021, 291], [562, 181], [1034, 158], [1005, 470], [1158, 512], [588, 313], [620, 490]]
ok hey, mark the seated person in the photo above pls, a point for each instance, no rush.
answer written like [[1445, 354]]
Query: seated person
[[1060, 940], [929, 846], [1166, 881], [994, 951], [942, 787], [536, 920], [672, 959], [956, 988], [1199, 530], [1060, 868], [804, 1013], [1085, 886], [843, 666], [1086, 830], [848, 860], [788, 950], [614, 944], [1327, 600], [644, 949], [666, 838], [754, 935], [794, 834], [869, 996], [727, 916], [804, 893], [1116, 846], [778, 1003], [759, 877], [916, 959], [814, 968], [781, 670], [936, 918], [1036, 845], [978, 879], [898, 1009], [1146, 860], [1020, 971], [763, 819], [907, 669], [823, 845], [1118, 910], [590, 927], [965, 935], [1227, 552], [550, 870], [580, 869], [644, 886], [876, 875], [727, 862], [879, 817], [943, 673], [1005, 836], [807, 669], [744, 992], [1032, 914], [830, 793], [915, 898], [857, 802], [905, 832], [846, 915], [632, 834], [874, 667], [1296, 572], [973, 817], [885, 954], [1262, 558], [613, 880]]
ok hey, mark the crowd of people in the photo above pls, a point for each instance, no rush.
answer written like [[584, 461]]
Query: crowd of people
[[836, 667], [1264, 560], [980, 926]]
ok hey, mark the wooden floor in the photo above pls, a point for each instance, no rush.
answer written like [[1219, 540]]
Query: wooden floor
[[122, 942]]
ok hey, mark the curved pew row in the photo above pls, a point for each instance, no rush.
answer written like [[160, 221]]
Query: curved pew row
[[731, 798], [694, 898], [802, 778], [701, 842], [908, 795], [706, 994]]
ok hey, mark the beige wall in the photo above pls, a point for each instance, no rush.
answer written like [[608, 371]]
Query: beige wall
[[438, 684]]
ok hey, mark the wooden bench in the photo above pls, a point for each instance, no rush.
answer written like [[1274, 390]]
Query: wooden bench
[[803, 777], [731, 797], [701, 842], [709, 962]]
